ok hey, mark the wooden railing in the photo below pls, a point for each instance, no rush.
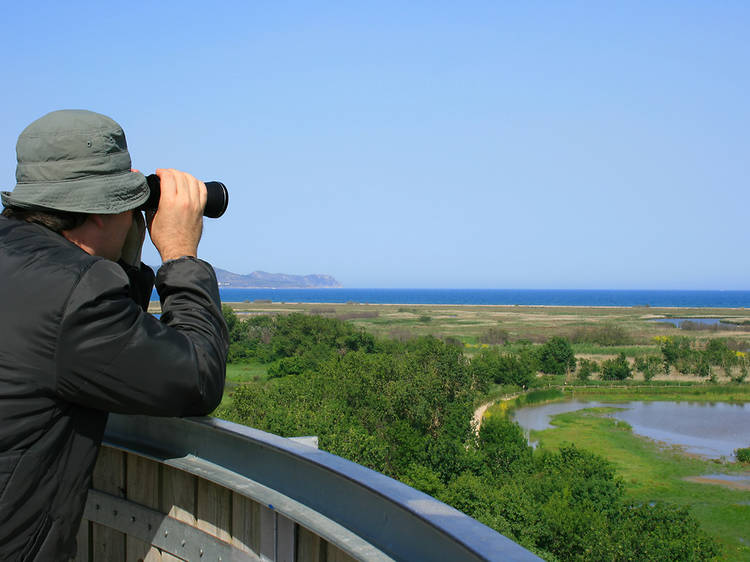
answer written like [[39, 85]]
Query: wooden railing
[[202, 489]]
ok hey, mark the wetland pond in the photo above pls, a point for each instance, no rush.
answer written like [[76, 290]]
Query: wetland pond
[[709, 429]]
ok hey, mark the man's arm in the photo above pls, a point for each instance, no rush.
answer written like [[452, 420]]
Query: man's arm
[[112, 356], [141, 282]]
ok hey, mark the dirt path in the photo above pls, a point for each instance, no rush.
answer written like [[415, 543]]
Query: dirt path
[[479, 412]]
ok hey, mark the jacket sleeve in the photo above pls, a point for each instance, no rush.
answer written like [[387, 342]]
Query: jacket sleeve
[[141, 282], [113, 356]]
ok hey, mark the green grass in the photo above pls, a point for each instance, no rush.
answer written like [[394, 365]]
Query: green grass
[[662, 390], [247, 372], [238, 374], [654, 474], [628, 350]]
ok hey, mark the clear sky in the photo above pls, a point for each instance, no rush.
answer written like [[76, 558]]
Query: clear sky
[[423, 144]]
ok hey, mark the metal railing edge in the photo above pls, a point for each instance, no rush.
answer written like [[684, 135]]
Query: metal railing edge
[[198, 436]]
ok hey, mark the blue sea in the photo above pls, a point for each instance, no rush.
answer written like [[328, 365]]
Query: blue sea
[[692, 299]]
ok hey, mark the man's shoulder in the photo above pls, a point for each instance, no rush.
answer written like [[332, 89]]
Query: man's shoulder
[[39, 252]]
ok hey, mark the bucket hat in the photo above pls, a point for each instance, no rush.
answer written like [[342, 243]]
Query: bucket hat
[[78, 161]]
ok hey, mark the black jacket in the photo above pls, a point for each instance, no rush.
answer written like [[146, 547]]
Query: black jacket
[[74, 345]]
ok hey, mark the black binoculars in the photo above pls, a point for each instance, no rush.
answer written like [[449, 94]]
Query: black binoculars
[[216, 201]]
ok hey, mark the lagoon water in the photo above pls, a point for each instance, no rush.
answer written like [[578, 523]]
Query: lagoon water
[[714, 299], [709, 429]]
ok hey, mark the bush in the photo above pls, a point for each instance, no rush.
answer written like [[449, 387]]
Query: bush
[[504, 368], [453, 342], [494, 336], [556, 357], [743, 455], [586, 368], [649, 365], [617, 369], [605, 334]]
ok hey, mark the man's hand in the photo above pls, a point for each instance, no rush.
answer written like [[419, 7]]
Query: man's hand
[[177, 224]]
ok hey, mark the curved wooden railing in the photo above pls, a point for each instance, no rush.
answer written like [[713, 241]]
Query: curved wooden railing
[[205, 489]]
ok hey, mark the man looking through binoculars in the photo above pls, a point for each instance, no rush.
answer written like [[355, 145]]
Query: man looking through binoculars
[[75, 340]]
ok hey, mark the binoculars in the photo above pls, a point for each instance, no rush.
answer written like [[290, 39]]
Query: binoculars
[[216, 201]]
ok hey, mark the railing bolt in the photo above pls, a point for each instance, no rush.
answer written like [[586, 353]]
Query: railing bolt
[[183, 542], [166, 532], [201, 552]]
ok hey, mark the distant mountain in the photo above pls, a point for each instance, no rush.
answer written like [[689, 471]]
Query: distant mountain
[[264, 280]]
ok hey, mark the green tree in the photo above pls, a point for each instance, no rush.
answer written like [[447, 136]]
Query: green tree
[[617, 369], [490, 365], [648, 365], [504, 445], [586, 368], [556, 357]]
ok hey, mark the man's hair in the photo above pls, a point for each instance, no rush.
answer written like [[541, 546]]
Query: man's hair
[[57, 221]]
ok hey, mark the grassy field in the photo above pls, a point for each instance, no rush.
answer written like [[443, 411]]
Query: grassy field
[[627, 329], [242, 373], [653, 473]]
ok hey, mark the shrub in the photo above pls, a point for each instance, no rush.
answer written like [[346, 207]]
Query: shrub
[[494, 336], [649, 365], [605, 334], [504, 368], [453, 342], [556, 356], [617, 369], [587, 367], [743, 455]]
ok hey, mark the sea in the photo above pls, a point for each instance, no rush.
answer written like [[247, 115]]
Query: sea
[[540, 297]]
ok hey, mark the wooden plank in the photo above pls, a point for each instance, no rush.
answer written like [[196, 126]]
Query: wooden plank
[[82, 541], [285, 539], [267, 533], [214, 512], [142, 487], [109, 476], [245, 524], [178, 494], [335, 554], [178, 499], [310, 547]]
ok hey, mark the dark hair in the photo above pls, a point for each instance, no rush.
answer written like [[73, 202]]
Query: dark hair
[[57, 221]]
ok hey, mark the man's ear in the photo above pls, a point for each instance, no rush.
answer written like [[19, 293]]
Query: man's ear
[[97, 220]]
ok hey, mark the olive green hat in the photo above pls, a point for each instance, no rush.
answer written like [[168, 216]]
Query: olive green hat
[[77, 161]]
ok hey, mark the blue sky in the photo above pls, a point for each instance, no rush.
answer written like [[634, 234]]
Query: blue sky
[[423, 144]]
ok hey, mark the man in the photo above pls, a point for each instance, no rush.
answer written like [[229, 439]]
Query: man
[[75, 340]]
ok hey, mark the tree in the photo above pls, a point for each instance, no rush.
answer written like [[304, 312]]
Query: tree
[[617, 369], [586, 368], [504, 368], [648, 365], [556, 357], [504, 444]]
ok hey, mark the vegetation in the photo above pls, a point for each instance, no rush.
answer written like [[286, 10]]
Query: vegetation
[[617, 369], [404, 408], [556, 357], [655, 475], [743, 455], [586, 368]]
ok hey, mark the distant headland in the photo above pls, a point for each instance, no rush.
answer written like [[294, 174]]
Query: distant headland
[[264, 280]]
